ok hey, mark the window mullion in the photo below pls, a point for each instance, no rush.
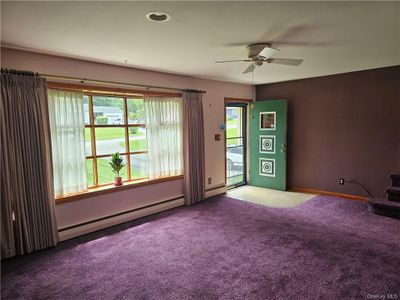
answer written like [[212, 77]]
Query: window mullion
[[128, 157], [93, 134]]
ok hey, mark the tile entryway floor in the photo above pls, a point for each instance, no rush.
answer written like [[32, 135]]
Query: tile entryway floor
[[269, 197]]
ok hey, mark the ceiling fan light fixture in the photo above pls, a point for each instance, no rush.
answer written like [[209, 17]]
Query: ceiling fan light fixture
[[158, 16]]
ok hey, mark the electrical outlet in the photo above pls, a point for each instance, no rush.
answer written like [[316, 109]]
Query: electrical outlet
[[341, 180], [209, 180]]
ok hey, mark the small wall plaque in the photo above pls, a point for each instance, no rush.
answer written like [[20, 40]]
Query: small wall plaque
[[268, 120]]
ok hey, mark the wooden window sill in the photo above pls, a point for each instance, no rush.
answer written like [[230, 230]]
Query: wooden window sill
[[111, 188]]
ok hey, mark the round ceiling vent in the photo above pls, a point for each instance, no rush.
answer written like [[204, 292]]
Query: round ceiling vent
[[158, 16]]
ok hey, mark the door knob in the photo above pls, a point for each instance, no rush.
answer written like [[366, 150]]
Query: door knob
[[283, 148]]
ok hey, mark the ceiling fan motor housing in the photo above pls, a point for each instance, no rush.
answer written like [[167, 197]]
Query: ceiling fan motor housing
[[255, 49]]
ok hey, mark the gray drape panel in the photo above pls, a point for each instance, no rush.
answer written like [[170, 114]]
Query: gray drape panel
[[193, 148], [27, 192]]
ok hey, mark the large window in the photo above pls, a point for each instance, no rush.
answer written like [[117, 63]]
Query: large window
[[114, 124], [89, 126]]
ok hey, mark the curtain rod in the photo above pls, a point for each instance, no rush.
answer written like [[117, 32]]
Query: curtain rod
[[18, 72], [83, 80]]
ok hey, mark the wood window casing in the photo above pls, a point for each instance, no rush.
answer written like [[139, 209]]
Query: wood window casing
[[124, 94]]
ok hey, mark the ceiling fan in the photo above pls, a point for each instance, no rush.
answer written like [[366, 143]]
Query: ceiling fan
[[261, 53]]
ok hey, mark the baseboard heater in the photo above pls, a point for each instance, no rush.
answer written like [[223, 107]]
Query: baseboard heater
[[217, 190], [75, 230]]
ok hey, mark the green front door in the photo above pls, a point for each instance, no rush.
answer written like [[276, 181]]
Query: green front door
[[268, 144]]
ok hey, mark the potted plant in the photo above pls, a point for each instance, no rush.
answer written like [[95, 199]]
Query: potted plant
[[116, 165]]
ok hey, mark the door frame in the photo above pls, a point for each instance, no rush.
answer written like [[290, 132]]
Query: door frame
[[246, 102]]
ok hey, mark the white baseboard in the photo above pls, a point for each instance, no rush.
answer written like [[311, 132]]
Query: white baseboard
[[129, 216], [97, 225]]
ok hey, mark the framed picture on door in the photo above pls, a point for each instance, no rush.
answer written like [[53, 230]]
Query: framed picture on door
[[268, 120]]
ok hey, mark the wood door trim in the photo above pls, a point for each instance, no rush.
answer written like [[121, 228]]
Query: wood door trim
[[240, 100]]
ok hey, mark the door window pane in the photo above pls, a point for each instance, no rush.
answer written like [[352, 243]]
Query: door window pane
[[106, 174], [234, 121], [235, 179], [234, 164], [135, 111], [110, 140], [235, 140], [232, 142], [108, 110], [137, 139], [139, 166]]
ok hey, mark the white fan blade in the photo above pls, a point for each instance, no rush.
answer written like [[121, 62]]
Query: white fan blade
[[249, 69], [268, 52], [225, 61], [285, 61]]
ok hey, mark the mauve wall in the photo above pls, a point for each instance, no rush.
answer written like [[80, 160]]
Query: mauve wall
[[345, 125]]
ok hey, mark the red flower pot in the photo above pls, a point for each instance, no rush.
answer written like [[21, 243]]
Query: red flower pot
[[118, 181]]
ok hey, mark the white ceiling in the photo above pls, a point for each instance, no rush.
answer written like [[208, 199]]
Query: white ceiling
[[331, 37]]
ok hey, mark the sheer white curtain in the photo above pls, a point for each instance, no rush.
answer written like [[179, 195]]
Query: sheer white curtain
[[67, 125], [164, 135]]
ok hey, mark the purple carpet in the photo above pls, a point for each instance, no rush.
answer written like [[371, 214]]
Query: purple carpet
[[327, 248]]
